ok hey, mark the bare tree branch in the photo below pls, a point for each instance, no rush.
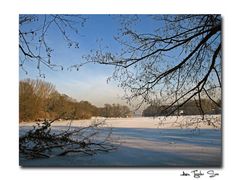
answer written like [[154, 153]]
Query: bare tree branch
[[33, 41], [149, 65]]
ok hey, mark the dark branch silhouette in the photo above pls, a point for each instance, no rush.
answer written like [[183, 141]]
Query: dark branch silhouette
[[33, 41], [178, 61], [43, 142]]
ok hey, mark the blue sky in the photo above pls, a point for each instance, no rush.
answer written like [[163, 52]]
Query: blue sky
[[90, 82]]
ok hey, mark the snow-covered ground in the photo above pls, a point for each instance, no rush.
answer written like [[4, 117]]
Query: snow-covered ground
[[170, 142]]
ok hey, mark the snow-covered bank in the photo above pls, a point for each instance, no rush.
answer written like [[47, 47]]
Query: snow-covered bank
[[171, 122], [145, 142]]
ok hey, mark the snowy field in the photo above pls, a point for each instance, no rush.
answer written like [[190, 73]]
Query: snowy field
[[155, 142]]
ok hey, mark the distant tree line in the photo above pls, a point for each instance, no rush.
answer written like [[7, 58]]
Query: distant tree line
[[190, 108], [40, 100], [114, 110]]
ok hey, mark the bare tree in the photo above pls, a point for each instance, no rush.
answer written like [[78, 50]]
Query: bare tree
[[33, 95], [34, 47], [176, 61], [34, 44]]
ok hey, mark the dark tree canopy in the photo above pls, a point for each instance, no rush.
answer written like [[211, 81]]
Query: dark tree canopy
[[178, 61]]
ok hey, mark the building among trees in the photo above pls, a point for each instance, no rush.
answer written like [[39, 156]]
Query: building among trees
[[190, 108]]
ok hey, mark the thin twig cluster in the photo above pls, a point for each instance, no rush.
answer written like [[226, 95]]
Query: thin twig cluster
[[43, 142], [178, 61]]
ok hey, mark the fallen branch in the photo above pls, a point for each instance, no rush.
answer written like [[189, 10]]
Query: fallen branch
[[41, 142]]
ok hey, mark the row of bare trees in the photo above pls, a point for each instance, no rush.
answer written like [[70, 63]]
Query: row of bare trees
[[33, 96], [190, 108], [39, 99], [114, 110]]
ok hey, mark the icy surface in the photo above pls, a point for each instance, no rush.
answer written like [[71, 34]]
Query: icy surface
[[143, 142]]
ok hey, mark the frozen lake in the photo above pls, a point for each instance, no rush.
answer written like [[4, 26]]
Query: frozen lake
[[153, 146]]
